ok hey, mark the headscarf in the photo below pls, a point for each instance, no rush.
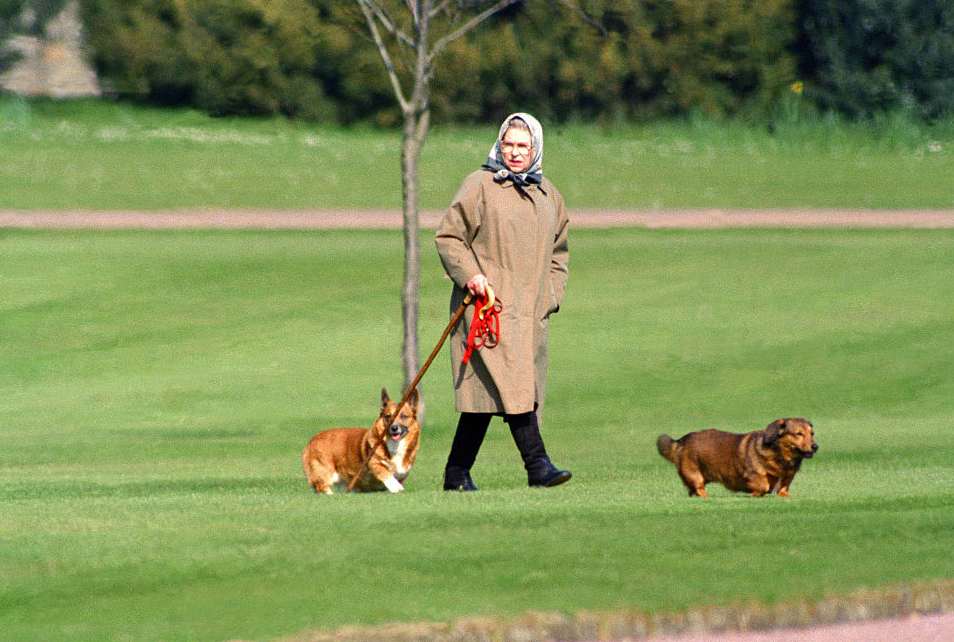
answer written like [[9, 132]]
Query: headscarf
[[495, 162]]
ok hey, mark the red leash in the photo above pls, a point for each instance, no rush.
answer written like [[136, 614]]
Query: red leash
[[485, 327]]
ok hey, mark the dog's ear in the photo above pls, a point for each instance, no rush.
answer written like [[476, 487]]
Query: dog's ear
[[773, 431], [384, 397], [413, 400]]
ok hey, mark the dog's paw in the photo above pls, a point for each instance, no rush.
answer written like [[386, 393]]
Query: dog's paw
[[393, 485]]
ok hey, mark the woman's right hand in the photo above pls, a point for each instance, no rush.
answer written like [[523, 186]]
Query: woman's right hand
[[477, 285]]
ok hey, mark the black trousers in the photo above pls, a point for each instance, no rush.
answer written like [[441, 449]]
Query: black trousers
[[472, 428]]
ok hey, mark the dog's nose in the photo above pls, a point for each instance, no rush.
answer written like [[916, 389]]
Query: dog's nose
[[814, 448]]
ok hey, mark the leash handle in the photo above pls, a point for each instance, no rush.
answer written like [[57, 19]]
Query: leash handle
[[485, 327], [450, 326]]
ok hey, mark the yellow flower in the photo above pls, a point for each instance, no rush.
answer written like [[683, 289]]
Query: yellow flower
[[798, 86]]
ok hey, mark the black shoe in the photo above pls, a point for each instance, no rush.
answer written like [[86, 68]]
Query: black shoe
[[547, 475], [458, 479], [471, 428], [526, 434]]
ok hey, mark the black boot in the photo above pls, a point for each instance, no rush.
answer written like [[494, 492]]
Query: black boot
[[458, 479], [471, 429], [526, 434]]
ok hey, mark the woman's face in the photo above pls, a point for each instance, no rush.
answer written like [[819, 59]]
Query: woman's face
[[516, 148]]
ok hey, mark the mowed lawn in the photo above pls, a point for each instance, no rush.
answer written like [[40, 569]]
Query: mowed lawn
[[115, 156], [158, 388]]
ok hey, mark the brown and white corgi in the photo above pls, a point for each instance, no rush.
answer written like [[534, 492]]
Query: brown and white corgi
[[334, 457]]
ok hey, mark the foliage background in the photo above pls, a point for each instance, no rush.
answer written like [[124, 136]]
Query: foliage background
[[879, 55], [627, 61]]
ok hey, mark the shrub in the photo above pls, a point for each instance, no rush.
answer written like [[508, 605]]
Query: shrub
[[223, 56], [871, 56], [644, 59], [308, 58]]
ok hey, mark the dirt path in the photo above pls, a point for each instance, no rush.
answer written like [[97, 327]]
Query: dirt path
[[912, 628], [366, 219]]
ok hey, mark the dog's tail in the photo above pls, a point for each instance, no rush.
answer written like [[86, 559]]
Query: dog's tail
[[668, 448]]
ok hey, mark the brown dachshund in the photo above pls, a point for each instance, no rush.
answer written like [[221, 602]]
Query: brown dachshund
[[758, 462]]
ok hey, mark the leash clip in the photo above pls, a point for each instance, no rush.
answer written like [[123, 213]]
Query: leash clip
[[491, 301]]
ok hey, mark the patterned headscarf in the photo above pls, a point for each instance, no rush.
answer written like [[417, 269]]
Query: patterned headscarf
[[495, 162]]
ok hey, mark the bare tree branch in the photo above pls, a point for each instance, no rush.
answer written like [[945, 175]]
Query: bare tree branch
[[449, 11], [585, 18], [387, 22], [360, 33], [415, 14], [438, 9], [369, 15], [476, 20]]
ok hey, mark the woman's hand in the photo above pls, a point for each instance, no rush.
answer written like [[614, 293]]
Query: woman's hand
[[478, 285]]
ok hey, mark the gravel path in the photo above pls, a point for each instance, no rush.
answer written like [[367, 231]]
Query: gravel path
[[912, 628]]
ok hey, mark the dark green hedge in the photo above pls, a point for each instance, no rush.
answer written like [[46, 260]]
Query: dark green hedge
[[223, 56], [869, 56], [310, 59]]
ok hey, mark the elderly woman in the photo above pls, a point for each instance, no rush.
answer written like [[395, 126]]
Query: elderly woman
[[507, 227]]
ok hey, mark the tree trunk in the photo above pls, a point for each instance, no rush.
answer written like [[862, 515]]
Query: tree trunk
[[410, 154], [416, 122]]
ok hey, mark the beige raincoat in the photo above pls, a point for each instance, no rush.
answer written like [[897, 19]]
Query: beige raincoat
[[517, 237]]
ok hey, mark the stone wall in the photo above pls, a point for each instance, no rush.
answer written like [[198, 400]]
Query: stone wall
[[54, 65]]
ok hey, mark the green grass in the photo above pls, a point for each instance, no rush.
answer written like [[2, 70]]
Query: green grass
[[98, 155], [158, 388]]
